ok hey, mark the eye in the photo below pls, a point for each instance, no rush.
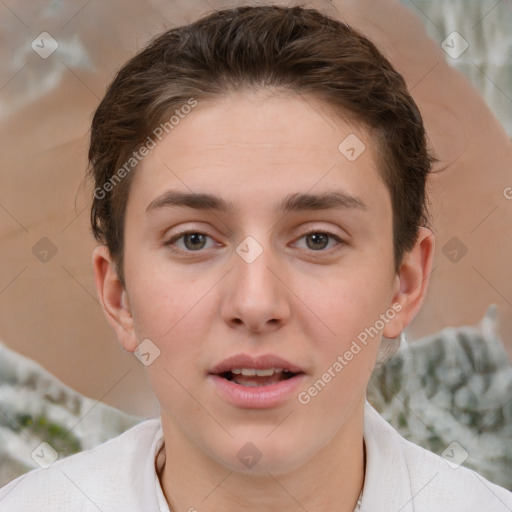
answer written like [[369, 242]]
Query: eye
[[319, 239], [193, 241]]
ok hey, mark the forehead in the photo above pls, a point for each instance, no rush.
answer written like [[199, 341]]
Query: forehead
[[249, 148]]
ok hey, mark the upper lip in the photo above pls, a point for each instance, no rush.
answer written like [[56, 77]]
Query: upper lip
[[259, 363]]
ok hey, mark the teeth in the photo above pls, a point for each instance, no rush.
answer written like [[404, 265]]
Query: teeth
[[251, 372]]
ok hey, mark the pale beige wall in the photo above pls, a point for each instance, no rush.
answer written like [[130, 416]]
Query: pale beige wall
[[49, 310]]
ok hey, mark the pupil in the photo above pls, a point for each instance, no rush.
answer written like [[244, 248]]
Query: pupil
[[194, 237], [316, 236]]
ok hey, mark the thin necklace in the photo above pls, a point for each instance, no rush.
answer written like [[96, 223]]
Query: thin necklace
[[358, 504], [360, 499]]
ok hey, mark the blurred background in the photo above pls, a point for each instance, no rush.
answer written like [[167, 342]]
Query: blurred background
[[57, 59]]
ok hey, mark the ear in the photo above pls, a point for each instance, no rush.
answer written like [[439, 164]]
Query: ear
[[411, 283], [113, 298]]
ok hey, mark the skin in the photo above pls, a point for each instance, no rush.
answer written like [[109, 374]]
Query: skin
[[301, 300]]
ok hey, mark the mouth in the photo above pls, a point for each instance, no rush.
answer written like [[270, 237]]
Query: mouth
[[251, 377], [263, 383], [249, 371]]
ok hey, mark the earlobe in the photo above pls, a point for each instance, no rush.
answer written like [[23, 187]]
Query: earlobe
[[412, 282], [113, 298]]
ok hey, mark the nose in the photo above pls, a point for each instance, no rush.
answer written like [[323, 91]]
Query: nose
[[256, 297]]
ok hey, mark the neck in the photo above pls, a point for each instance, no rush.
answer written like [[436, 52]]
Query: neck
[[331, 480]]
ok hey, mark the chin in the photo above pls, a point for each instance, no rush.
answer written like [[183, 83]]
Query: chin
[[261, 457]]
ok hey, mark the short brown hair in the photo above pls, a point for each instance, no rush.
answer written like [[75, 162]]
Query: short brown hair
[[292, 49]]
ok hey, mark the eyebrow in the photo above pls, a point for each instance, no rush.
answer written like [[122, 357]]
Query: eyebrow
[[292, 203]]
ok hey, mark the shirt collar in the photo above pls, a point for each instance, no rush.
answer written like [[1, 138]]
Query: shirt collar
[[387, 482]]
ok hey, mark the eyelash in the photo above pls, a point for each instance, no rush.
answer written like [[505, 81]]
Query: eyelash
[[177, 236]]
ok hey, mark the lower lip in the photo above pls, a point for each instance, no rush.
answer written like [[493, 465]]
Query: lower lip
[[260, 397]]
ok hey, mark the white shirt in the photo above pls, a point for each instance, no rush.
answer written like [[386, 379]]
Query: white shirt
[[120, 476]]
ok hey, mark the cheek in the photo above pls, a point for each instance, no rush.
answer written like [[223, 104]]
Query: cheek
[[163, 305], [172, 315], [176, 313], [347, 338], [347, 349], [345, 307]]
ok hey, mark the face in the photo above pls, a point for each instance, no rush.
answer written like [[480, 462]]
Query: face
[[269, 275]]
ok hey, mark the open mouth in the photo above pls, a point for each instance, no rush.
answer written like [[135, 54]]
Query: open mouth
[[255, 378], [263, 382]]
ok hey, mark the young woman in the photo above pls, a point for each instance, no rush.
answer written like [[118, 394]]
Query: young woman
[[260, 204]]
